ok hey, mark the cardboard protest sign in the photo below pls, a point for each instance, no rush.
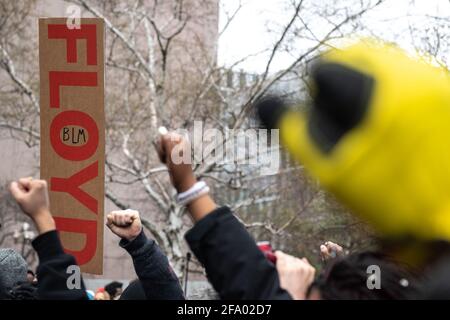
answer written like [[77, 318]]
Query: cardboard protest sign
[[73, 133]]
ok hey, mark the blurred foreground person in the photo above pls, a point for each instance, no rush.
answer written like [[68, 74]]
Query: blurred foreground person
[[364, 276], [375, 134]]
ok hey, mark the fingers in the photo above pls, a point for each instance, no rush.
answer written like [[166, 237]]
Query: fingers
[[167, 143], [333, 246], [25, 182], [124, 223], [324, 252], [133, 214], [286, 260], [163, 146], [121, 218], [17, 191], [109, 220], [110, 224], [330, 250], [24, 185], [282, 258], [160, 150], [38, 184], [279, 254]]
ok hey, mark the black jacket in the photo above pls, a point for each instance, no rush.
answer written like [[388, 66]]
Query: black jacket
[[52, 270], [235, 266], [152, 268]]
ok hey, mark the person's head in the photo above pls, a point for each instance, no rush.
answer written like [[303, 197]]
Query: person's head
[[364, 276], [114, 289], [360, 131], [102, 294], [13, 269]]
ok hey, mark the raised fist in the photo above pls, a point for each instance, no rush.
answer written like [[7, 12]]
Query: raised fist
[[124, 223]]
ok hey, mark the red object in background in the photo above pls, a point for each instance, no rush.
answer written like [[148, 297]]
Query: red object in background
[[266, 248]]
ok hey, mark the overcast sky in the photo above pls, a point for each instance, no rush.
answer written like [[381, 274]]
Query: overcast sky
[[248, 34]]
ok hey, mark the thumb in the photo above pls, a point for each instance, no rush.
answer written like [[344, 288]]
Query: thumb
[[110, 224], [16, 191], [133, 215], [109, 220], [25, 182], [160, 150]]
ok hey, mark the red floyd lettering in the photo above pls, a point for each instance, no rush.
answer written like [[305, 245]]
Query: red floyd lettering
[[87, 32], [72, 185], [88, 228], [72, 133], [58, 79], [70, 152]]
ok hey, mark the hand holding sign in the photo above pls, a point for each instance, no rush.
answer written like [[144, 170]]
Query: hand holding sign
[[32, 197], [125, 223]]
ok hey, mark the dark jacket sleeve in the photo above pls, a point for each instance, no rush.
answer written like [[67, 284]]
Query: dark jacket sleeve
[[153, 269], [235, 266], [52, 270]]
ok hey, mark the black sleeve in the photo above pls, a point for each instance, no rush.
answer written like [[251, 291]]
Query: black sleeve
[[153, 269], [52, 270], [235, 266]]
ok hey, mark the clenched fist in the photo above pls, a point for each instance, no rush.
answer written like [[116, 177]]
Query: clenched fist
[[175, 151], [32, 197], [124, 223], [330, 250], [296, 275]]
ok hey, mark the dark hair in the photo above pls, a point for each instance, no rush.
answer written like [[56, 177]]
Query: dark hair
[[112, 287], [436, 285], [346, 278]]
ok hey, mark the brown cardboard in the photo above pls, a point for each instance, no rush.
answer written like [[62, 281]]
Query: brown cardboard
[[73, 133]]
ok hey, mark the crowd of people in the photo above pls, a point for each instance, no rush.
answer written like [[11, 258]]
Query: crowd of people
[[234, 264], [351, 86]]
